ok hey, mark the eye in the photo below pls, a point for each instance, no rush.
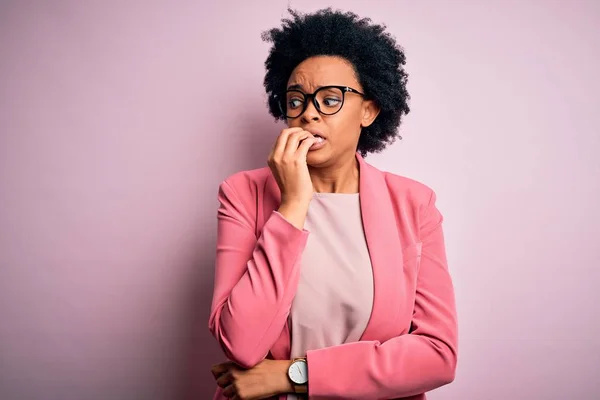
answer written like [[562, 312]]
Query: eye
[[295, 102], [331, 101]]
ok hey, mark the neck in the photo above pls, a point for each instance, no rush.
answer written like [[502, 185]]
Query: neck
[[343, 177]]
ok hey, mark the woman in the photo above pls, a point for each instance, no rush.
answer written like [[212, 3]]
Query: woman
[[331, 276]]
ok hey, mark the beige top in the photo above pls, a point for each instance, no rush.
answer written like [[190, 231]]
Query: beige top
[[334, 298]]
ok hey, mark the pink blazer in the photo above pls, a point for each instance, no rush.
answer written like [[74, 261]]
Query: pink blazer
[[410, 343]]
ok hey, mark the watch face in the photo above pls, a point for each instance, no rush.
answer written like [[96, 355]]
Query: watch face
[[298, 372]]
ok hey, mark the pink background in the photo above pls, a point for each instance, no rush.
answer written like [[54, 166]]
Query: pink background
[[119, 119]]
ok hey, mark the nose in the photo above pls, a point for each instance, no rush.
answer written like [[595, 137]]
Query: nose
[[311, 113]]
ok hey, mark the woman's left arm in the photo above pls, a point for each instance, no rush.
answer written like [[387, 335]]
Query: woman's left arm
[[409, 364]]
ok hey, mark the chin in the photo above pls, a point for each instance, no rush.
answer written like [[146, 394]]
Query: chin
[[318, 157]]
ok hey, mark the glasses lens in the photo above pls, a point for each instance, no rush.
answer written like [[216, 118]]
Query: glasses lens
[[294, 103], [330, 100]]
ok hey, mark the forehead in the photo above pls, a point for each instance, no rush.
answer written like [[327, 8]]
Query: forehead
[[321, 71]]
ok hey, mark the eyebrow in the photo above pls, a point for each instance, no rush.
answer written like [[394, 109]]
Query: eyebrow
[[298, 86]]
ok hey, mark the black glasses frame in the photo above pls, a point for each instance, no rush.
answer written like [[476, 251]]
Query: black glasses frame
[[309, 96]]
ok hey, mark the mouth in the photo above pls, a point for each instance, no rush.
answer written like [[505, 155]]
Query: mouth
[[317, 133], [320, 142]]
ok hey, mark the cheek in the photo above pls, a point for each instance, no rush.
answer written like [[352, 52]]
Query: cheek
[[349, 124], [352, 113]]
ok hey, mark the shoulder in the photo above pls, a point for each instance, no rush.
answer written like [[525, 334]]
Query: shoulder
[[413, 200], [408, 190]]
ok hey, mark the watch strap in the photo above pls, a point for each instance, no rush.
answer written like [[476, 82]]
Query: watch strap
[[300, 389]]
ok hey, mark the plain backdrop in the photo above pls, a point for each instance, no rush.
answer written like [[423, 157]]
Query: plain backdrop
[[118, 120]]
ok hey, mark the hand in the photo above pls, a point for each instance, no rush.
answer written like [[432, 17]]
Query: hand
[[287, 161], [266, 379]]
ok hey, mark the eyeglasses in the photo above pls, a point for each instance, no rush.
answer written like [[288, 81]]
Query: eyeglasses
[[328, 100]]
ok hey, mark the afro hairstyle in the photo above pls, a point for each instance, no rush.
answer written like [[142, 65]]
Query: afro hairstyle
[[377, 60]]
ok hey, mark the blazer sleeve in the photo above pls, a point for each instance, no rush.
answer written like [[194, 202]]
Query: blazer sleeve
[[406, 365], [255, 279]]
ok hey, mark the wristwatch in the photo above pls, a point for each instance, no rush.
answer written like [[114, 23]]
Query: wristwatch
[[298, 375]]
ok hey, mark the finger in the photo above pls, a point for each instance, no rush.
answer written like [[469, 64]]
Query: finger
[[229, 392], [294, 141], [225, 379], [305, 146], [281, 141], [216, 374], [219, 369], [216, 370]]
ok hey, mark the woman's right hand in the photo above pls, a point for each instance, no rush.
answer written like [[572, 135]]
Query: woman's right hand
[[287, 161]]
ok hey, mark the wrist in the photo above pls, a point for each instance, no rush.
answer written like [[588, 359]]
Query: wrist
[[294, 212], [299, 203], [285, 385]]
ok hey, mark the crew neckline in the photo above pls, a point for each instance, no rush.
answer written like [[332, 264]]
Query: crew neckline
[[331, 194]]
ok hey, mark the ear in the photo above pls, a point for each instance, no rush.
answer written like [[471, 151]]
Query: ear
[[370, 111]]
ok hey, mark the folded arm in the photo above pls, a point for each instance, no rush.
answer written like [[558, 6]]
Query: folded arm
[[255, 279]]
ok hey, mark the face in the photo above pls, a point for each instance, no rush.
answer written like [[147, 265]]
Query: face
[[342, 129]]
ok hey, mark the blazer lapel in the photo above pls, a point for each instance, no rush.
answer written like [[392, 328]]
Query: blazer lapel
[[385, 249], [383, 243]]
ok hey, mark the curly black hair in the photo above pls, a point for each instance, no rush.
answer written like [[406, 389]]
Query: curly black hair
[[376, 58]]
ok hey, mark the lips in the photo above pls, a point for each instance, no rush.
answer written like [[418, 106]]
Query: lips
[[316, 133]]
